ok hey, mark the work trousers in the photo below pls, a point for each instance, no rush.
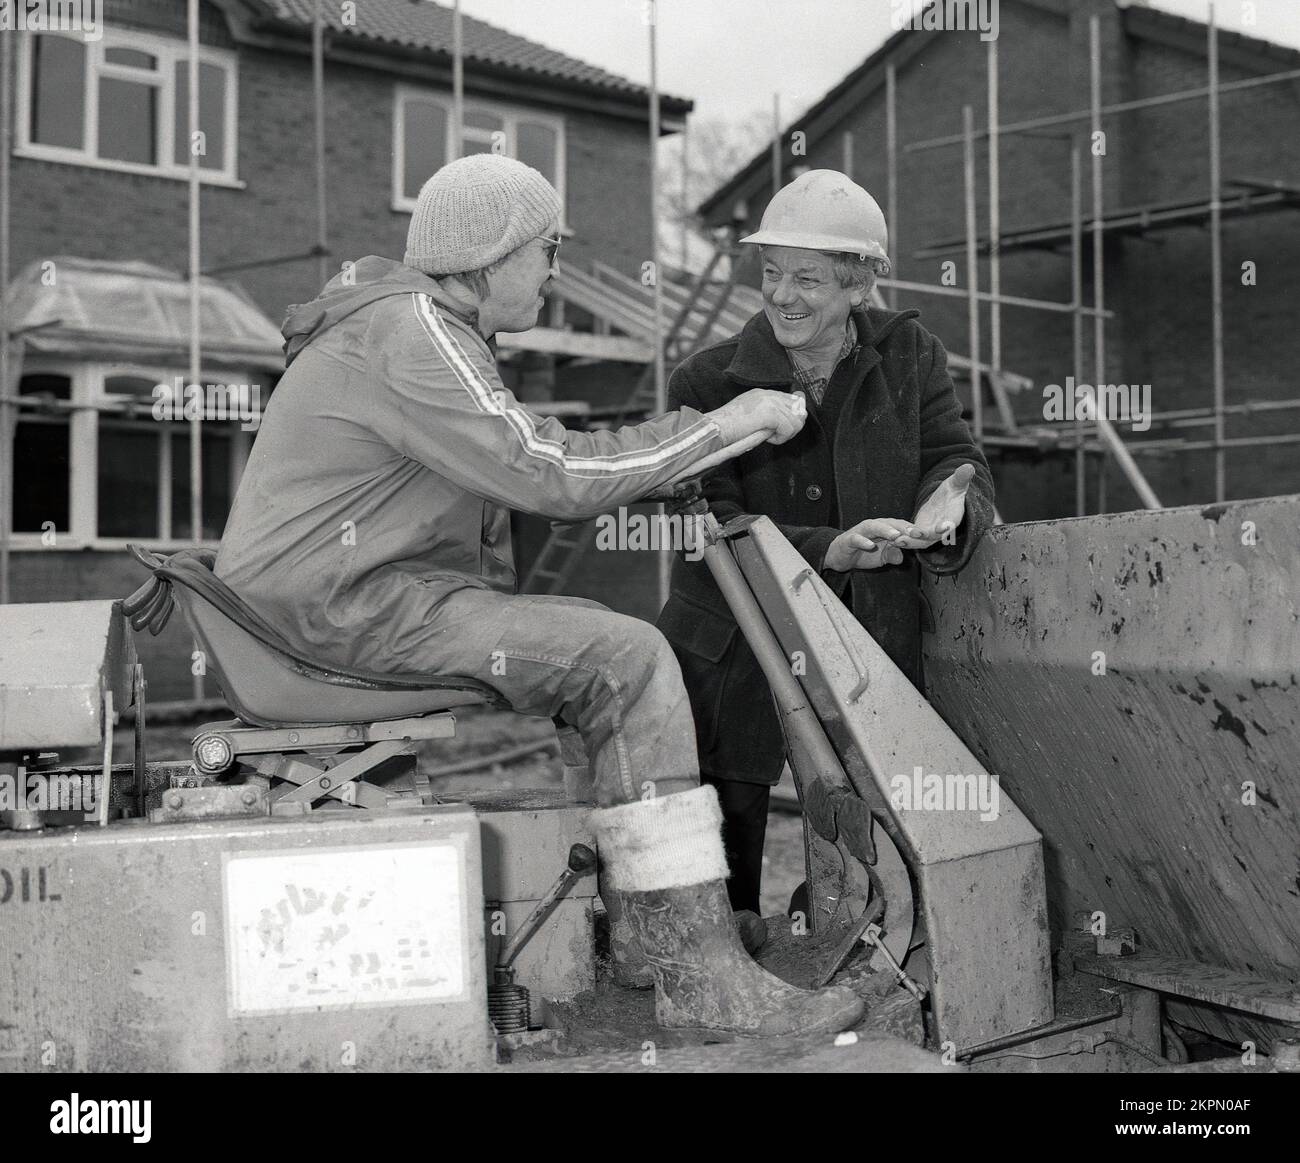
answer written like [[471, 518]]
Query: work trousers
[[612, 677], [744, 831]]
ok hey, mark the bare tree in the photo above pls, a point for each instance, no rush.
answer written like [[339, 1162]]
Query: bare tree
[[716, 149]]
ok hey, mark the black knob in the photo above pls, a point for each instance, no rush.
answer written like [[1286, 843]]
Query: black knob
[[582, 860]]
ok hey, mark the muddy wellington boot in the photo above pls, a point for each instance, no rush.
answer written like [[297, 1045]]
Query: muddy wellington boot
[[664, 857], [752, 929], [628, 965]]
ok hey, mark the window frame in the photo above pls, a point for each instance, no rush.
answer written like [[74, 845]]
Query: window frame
[[90, 401], [510, 116], [169, 52]]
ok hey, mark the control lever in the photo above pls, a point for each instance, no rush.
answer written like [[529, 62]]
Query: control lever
[[582, 862], [508, 1003]]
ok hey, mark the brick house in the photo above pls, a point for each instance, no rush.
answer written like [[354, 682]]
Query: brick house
[[1156, 179], [99, 174]]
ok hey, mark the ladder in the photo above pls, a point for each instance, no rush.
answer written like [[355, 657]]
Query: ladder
[[699, 311]]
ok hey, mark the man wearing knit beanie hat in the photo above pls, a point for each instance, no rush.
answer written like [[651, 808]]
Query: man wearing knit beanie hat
[[478, 210], [372, 528]]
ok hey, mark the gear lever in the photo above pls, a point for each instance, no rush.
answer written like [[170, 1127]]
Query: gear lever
[[508, 1003]]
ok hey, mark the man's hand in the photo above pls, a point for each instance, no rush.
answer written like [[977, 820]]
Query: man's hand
[[761, 409], [943, 511], [868, 545]]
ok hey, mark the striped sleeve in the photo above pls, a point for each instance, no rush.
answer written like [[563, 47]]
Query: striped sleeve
[[440, 401]]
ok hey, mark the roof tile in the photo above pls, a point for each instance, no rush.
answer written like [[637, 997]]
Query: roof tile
[[425, 25]]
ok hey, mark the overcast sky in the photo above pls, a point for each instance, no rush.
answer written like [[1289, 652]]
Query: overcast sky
[[732, 55]]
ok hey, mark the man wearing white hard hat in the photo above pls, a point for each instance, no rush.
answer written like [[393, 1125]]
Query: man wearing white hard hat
[[883, 480], [372, 527]]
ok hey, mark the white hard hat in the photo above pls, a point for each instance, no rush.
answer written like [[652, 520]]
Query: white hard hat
[[825, 210]]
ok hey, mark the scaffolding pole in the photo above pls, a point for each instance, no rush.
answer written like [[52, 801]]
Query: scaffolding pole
[[1164, 446], [457, 82], [891, 157], [987, 297], [972, 275], [8, 413], [196, 290], [995, 229], [1179, 444], [1181, 417], [661, 401], [318, 106], [1058, 119], [1098, 231], [1216, 258], [661, 386], [1076, 293], [1104, 427], [196, 286], [776, 143], [686, 196]]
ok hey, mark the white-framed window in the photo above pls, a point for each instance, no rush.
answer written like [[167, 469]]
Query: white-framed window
[[94, 468], [422, 131], [122, 103]]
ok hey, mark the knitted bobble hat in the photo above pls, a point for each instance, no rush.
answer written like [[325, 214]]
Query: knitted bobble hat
[[476, 210]]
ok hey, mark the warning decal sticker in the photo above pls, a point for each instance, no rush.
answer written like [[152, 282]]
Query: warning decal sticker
[[323, 928]]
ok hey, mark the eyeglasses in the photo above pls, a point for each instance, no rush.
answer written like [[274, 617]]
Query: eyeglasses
[[552, 247]]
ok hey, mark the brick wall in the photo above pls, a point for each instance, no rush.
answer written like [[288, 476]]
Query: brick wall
[[94, 213], [1170, 288]]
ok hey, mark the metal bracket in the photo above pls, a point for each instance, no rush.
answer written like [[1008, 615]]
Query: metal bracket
[[215, 802], [1246, 993]]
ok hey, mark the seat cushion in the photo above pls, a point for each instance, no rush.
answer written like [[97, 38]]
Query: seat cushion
[[263, 688]]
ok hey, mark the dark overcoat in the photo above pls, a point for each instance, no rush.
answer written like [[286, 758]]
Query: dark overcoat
[[898, 435]]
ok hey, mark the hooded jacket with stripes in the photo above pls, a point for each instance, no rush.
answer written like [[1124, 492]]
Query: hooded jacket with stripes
[[387, 461]]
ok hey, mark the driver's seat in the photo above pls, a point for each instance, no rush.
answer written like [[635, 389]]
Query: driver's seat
[[315, 727]]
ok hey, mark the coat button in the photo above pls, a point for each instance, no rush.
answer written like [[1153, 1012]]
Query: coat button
[[813, 492]]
